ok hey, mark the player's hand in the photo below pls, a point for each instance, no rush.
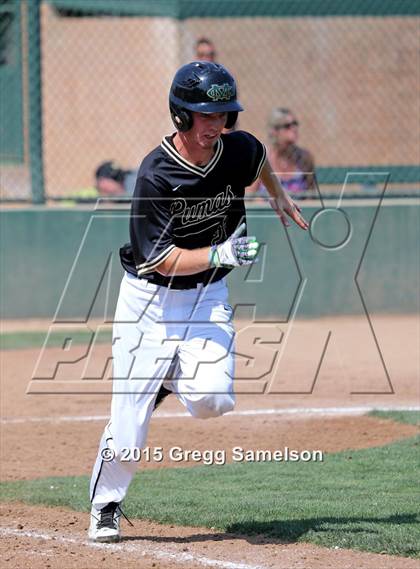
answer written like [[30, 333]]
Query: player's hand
[[284, 206], [235, 251]]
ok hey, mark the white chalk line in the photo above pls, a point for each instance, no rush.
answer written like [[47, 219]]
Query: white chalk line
[[287, 411], [149, 549]]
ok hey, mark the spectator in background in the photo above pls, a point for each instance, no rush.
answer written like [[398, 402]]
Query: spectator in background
[[294, 165], [111, 180], [205, 50]]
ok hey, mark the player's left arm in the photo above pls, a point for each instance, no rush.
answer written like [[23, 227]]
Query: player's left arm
[[280, 201]]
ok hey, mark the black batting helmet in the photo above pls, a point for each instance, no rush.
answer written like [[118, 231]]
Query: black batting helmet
[[202, 87]]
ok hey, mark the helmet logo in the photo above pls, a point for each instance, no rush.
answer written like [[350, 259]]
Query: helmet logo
[[221, 92]]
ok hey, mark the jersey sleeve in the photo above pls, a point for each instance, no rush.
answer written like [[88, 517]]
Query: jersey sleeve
[[150, 226], [255, 154]]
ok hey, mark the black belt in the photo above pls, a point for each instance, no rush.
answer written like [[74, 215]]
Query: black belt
[[175, 284]]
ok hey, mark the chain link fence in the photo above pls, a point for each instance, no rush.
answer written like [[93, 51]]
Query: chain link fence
[[86, 81]]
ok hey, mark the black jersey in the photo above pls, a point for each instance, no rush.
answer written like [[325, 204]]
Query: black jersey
[[178, 204]]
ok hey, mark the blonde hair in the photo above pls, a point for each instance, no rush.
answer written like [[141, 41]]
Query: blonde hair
[[277, 116]]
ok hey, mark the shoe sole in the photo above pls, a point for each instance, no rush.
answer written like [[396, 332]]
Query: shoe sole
[[108, 539]]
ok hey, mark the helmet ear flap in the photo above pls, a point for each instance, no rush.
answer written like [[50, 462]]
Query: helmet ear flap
[[182, 118], [231, 119]]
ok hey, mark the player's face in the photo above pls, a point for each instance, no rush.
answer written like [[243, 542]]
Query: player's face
[[207, 128]]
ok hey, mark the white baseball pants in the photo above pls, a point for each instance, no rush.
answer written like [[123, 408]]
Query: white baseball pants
[[181, 337]]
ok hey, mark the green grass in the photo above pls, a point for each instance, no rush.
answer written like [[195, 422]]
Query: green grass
[[410, 417], [365, 499], [20, 340]]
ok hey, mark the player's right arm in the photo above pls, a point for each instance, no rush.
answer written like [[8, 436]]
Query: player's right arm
[[182, 262], [234, 252]]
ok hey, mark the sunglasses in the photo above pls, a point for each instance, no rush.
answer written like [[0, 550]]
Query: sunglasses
[[206, 54], [286, 125]]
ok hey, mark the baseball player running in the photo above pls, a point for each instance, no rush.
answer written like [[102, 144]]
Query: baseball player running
[[173, 327]]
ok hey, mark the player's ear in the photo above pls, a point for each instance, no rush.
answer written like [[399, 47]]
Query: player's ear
[[182, 118], [232, 117]]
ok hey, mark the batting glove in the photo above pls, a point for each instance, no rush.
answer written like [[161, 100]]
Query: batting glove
[[235, 251]]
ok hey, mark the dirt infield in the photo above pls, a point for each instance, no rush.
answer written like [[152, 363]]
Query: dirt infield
[[57, 435], [69, 449], [51, 537]]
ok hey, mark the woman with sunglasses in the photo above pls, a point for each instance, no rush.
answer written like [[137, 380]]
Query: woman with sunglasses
[[293, 165]]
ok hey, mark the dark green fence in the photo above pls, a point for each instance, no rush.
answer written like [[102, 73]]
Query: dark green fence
[[11, 77], [356, 259]]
